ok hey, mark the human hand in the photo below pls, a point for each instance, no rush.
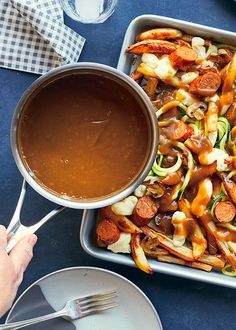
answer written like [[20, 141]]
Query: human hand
[[12, 267]]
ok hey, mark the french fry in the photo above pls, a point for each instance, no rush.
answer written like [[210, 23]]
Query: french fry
[[149, 231], [180, 251], [201, 265], [135, 75], [184, 206], [139, 255], [211, 122], [198, 247], [211, 118], [160, 33], [227, 96], [201, 201], [123, 223], [214, 261], [146, 70], [151, 86], [199, 242], [152, 46], [178, 261], [172, 260], [210, 226], [211, 243]]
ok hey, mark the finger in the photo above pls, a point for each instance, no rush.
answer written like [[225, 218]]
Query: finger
[[3, 237], [22, 253]]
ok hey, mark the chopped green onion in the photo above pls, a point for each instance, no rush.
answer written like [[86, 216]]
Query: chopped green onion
[[160, 160], [161, 171], [212, 205], [229, 270]]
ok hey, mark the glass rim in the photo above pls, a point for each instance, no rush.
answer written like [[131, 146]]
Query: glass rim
[[100, 19]]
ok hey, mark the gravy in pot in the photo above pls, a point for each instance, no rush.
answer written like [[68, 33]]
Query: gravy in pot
[[83, 136]]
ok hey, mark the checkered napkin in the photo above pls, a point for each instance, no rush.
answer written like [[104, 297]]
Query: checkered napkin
[[33, 36]]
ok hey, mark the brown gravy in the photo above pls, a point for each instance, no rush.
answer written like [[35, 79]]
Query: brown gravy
[[83, 136]]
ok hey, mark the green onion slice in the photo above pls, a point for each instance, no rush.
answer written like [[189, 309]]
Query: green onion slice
[[160, 160]]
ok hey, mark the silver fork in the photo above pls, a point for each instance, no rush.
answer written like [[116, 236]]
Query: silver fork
[[16, 230], [74, 309]]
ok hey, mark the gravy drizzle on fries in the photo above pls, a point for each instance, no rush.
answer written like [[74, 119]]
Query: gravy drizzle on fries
[[185, 210]]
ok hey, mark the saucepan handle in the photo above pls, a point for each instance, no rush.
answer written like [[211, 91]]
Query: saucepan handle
[[16, 230]]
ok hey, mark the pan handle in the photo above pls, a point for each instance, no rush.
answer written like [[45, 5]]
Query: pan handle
[[16, 230], [15, 221]]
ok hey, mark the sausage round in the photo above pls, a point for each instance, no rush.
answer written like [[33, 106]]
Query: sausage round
[[145, 210], [182, 57], [225, 211], [108, 232], [206, 85]]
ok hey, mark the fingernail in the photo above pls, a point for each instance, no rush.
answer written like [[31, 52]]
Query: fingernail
[[32, 239]]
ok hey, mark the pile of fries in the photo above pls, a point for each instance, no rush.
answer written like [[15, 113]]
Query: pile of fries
[[184, 212]]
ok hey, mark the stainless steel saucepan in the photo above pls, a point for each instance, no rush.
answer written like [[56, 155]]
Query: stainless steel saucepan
[[110, 73], [120, 78]]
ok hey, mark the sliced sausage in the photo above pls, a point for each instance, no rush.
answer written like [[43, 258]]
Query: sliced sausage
[[145, 210], [182, 57], [206, 85], [107, 232], [225, 211]]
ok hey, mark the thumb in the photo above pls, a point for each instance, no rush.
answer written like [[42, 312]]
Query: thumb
[[22, 253], [3, 237]]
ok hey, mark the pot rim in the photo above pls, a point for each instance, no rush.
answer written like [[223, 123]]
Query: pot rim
[[92, 203]]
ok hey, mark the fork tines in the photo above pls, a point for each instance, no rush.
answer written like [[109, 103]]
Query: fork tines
[[98, 302]]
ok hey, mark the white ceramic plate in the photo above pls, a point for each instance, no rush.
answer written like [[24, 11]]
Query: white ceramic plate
[[52, 291]]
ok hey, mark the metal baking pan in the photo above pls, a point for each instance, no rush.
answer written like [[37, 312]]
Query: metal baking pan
[[87, 233]]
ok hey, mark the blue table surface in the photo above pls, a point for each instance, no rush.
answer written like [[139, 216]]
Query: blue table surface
[[181, 304]]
